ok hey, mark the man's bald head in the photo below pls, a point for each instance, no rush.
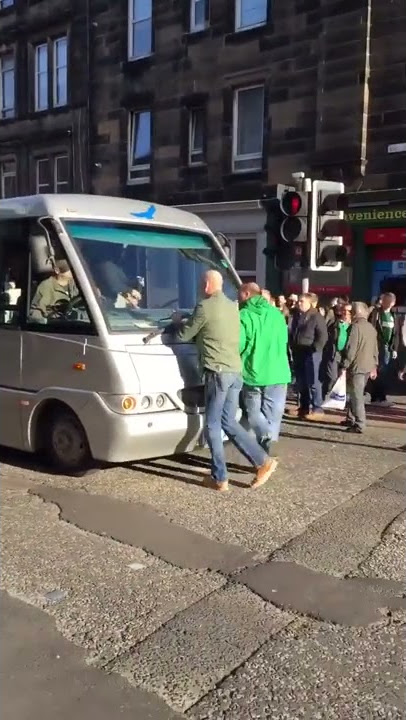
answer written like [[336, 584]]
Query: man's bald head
[[248, 290], [212, 282]]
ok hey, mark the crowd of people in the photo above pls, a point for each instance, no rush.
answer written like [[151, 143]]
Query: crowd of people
[[250, 353]]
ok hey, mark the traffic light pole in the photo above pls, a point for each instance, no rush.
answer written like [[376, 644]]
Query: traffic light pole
[[306, 258]]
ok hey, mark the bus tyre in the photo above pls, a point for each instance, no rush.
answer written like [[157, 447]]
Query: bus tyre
[[66, 443]]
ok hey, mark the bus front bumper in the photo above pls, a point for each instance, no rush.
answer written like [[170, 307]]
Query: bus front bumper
[[116, 438]]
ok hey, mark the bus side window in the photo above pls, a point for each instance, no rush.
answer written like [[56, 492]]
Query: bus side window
[[54, 297], [13, 270]]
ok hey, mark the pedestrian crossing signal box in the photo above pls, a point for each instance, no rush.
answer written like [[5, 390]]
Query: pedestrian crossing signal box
[[328, 226]]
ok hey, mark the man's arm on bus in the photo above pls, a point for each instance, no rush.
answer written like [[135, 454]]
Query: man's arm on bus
[[39, 305], [191, 328]]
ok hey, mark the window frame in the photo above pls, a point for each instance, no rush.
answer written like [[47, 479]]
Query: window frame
[[194, 27], [235, 126], [4, 112], [132, 56], [54, 71], [4, 175], [144, 179], [192, 113], [238, 27], [53, 184], [37, 74]]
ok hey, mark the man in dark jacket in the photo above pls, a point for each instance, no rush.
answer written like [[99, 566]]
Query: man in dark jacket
[[308, 338], [383, 320], [360, 360], [337, 340]]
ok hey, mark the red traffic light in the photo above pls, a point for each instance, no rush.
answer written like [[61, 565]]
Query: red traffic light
[[291, 203]]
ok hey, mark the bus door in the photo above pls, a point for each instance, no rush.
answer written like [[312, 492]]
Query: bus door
[[13, 283]]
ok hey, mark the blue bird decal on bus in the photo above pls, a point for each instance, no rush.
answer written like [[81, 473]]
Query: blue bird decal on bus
[[147, 214]]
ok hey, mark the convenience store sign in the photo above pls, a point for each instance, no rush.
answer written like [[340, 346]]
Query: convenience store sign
[[376, 215]]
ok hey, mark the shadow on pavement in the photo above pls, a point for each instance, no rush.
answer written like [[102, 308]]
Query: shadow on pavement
[[342, 440]]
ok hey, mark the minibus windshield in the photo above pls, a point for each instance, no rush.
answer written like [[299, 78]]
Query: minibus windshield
[[142, 275]]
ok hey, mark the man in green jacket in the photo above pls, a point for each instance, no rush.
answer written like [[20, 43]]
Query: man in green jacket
[[215, 326], [266, 372]]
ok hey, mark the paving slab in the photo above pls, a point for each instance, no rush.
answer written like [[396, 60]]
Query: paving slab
[[320, 596], [388, 559], [395, 479], [140, 526], [340, 540], [187, 657], [109, 606], [44, 676], [315, 673]]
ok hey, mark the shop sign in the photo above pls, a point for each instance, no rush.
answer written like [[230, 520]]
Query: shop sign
[[376, 215]]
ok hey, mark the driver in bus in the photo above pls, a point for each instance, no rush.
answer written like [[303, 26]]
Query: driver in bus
[[59, 288]]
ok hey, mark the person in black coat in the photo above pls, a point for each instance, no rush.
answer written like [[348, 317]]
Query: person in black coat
[[308, 338]]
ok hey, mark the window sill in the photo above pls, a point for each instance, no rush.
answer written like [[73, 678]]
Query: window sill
[[6, 120], [60, 110], [194, 36], [242, 35], [245, 176], [139, 181], [133, 65]]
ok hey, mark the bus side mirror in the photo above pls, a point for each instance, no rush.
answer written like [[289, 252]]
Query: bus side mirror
[[225, 243], [41, 256]]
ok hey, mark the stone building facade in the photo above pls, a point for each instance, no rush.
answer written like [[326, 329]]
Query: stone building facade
[[202, 103]]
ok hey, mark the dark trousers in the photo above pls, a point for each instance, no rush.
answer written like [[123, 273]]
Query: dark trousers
[[379, 386], [356, 407], [307, 371]]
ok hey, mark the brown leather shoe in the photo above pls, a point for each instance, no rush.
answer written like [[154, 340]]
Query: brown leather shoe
[[212, 484], [293, 412], [264, 472]]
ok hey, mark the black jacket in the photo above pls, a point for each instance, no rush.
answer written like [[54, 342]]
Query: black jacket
[[309, 331]]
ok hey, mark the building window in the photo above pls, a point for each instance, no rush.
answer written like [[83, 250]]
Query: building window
[[51, 66], [41, 77], [197, 121], [139, 147], [6, 4], [7, 86], [245, 258], [140, 28], [250, 13], [248, 129], [8, 178], [199, 13], [52, 174], [60, 74]]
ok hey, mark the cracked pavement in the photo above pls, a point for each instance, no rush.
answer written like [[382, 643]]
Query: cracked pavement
[[281, 603]]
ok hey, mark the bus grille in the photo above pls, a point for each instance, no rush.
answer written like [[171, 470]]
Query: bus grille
[[192, 397]]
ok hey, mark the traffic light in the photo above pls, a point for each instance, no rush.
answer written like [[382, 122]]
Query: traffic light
[[328, 226], [277, 248], [295, 208]]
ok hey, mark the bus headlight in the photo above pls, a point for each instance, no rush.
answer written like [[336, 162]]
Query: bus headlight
[[160, 401], [131, 404], [146, 402]]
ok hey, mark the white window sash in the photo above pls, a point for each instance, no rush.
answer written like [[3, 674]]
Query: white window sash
[[194, 25], [39, 185], [38, 74], [5, 174], [56, 69], [192, 160], [132, 22], [59, 183], [238, 18], [6, 111], [236, 155], [142, 170]]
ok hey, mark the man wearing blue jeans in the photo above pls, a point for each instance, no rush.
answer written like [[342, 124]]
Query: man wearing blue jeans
[[215, 325], [265, 360]]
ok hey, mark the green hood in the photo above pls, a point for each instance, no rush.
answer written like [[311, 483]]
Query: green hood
[[263, 344]]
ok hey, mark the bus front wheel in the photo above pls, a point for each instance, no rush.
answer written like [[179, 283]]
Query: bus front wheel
[[66, 443]]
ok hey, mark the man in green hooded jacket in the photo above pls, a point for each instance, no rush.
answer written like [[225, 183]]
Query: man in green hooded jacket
[[266, 372]]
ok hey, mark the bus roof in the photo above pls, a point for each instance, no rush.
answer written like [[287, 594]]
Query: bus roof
[[100, 207]]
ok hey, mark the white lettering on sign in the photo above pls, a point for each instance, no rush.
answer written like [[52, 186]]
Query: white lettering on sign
[[399, 267], [397, 148]]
